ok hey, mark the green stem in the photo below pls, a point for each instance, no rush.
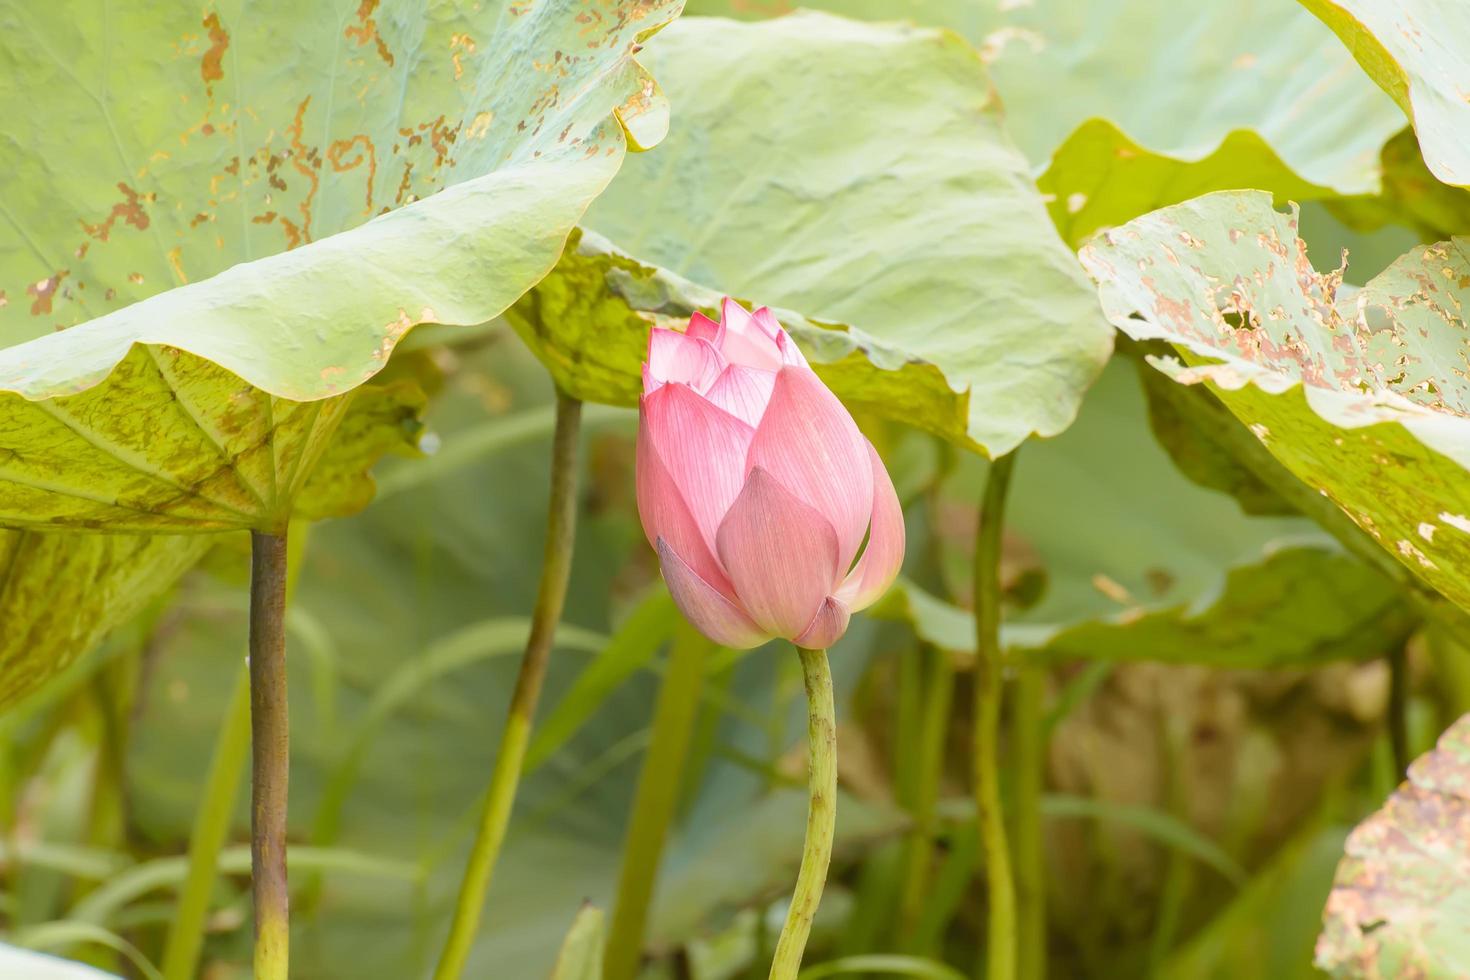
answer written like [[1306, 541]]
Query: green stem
[[207, 837], [990, 821], [821, 814], [1028, 750], [1398, 711], [269, 755], [551, 595], [938, 694], [656, 801]]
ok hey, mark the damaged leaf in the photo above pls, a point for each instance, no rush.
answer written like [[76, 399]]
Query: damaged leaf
[[1141, 563], [156, 147], [1363, 397], [1401, 897], [874, 187]]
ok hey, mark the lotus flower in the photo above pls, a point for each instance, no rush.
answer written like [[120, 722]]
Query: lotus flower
[[772, 515]]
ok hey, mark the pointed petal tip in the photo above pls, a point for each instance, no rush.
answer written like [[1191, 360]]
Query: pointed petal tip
[[826, 627]]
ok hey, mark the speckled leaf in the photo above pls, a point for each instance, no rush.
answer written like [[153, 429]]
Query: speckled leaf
[[1361, 397], [1419, 52], [860, 174], [1401, 897], [1141, 563], [1130, 105], [153, 147], [60, 593], [588, 321], [206, 407], [171, 442]]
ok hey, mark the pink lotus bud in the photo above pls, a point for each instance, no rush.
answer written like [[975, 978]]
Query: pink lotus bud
[[756, 487]]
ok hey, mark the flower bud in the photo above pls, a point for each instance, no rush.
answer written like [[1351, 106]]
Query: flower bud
[[771, 513]]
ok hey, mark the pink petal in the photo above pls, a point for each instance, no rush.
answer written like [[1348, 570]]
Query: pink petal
[[674, 357], [809, 443], [743, 392], [780, 554], [790, 353], [744, 341], [826, 627], [666, 516], [702, 327], [711, 613], [883, 557], [702, 447], [767, 322]]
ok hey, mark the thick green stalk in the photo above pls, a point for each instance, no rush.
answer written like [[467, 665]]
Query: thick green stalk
[[270, 755], [556, 568], [656, 801], [1001, 939], [1028, 750], [938, 695], [821, 814]]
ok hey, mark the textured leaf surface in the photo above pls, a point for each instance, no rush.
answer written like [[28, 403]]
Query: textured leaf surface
[[60, 593], [1419, 52], [1141, 563], [1362, 397], [1130, 105], [156, 147], [207, 406], [588, 321], [1401, 897], [172, 442], [872, 186]]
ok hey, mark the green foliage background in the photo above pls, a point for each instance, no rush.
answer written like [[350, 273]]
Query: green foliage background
[[1233, 564]]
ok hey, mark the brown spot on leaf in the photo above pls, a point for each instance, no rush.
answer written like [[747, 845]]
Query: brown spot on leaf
[[211, 66], [129, 209], [368, 152], [366, 30], [44, 292]]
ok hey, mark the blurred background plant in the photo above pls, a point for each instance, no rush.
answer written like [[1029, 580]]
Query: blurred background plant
[[1211, 677]]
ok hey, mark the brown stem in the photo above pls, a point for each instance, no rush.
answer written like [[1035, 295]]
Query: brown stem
[[270, 754]]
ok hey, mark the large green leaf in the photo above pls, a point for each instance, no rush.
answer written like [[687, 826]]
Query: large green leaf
[[206, 407], [1141, 563], [61, 592], [1130, 105], [1419, 52], [859, 174], [1401, 897], [1363, 397], [588, 322], [153, 147]]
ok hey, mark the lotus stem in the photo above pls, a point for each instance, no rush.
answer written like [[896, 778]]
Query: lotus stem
[[550, 597], [270, 755], [821, 814], [207, 837], [656, 800], [1398, 711], [928, 763], [1001, 940], [1028, 749]]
